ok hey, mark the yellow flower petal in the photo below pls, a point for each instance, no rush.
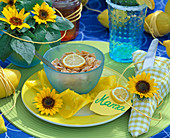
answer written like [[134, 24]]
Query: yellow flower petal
[[50, 17], [143, 77], [13, 27], [47, 93]]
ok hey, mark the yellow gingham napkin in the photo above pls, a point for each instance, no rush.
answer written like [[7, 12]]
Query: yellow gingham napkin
[[139, 124]]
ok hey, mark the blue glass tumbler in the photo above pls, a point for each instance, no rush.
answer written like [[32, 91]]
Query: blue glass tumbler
[[125, 30]]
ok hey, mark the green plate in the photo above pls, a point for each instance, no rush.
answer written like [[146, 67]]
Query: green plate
[[27, 122]]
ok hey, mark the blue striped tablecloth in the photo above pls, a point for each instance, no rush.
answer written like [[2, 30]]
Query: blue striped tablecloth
[[91, 29]]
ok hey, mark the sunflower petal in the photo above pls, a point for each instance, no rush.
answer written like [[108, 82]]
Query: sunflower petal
[[7, 13], [148, 77], [13, 27]]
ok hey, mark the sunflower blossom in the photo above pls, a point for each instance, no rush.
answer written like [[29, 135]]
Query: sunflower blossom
[[142, 85], [11, 3], [48, 102], [44, 13], [14, 18]]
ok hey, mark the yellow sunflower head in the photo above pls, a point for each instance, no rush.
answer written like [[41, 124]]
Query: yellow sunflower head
[[44, 13], [48, 102], [142, 85], [11, 3], [15, 19]]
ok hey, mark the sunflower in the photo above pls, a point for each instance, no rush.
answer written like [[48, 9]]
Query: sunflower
[[48, 102], [14, 18], [142, 85], [44, 13], [11, 3]]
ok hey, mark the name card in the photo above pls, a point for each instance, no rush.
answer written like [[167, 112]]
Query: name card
[[103, 104]]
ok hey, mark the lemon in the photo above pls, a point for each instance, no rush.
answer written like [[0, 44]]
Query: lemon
[[160, 24], [167, 45], [14, 77], [149, 3], [84, 2], [167, 7], [119, 92], [2, 125], [73, 61], [103, 18]]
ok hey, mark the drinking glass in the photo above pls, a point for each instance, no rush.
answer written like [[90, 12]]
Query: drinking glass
[[125, 30]]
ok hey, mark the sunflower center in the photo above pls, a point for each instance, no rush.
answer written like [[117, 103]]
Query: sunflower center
[[11, 2], [48, 102], [43, 14], [142, 86], [16, 21]]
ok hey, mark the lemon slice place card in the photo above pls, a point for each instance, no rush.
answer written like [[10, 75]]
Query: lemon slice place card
[[107, 102]]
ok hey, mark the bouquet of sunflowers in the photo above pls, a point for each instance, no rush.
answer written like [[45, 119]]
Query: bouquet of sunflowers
[[32, 21]]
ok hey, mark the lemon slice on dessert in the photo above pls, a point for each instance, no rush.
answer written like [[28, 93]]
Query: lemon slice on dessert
[[73, 61], [120, 93], [149, 3]]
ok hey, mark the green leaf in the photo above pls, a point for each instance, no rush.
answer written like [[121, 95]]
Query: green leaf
[[25, 49], [29, 4], [2, 5], [29, 34], [53, 35], [2, 25], [61, 24], [39, 34], [5, 48]]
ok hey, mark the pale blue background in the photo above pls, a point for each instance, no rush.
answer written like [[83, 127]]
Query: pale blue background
[[91, 29]]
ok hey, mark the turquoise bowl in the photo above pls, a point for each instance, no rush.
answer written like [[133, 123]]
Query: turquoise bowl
[[82, 82]]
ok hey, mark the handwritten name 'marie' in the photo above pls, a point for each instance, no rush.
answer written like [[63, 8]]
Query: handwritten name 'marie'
[[104, 102]]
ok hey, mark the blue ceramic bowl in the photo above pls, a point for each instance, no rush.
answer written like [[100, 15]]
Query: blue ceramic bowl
[[82, 82]]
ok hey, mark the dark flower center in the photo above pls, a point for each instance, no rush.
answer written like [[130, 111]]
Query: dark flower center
[[15, 21], [11, 2], [48, 102], [142, 86], [43, 14]]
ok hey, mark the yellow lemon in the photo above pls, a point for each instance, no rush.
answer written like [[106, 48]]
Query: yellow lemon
[[84, 2], [118, 93], [149, 3], [2, 125], [103, 18], [160, 22], [73, 61], [14, 77], [167, 45], [167, 7], [120, 18]]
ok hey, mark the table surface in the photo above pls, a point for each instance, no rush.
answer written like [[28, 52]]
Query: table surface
[[91, 29]]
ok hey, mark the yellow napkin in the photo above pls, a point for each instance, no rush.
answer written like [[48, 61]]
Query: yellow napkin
[[139, 124], [72, 101]]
